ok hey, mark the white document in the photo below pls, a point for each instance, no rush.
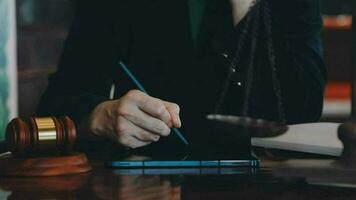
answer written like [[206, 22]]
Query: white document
[[316, 138]]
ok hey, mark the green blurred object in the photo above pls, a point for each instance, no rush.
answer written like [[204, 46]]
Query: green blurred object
[[4, 82], [196, 8]]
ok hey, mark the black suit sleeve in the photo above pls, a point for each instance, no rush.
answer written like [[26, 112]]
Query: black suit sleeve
[[84, 76]]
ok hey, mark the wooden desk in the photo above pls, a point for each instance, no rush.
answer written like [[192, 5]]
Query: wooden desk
[[293, 179]]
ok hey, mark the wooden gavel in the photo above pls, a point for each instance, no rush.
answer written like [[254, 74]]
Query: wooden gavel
[[41, 147], [40, 135]]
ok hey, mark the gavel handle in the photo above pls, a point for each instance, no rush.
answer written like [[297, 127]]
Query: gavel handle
[[3, 147]]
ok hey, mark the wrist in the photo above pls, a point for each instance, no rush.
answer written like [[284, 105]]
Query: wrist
[[100, 118]]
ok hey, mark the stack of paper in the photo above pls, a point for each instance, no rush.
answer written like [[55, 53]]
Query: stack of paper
[[316, 138]]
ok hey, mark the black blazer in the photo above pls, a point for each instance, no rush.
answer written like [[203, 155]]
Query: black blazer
[[153, 37]]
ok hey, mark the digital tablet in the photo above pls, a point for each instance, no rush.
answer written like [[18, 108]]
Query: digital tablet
[[182, 163], [187, 171], [193, 160], [221, 147]]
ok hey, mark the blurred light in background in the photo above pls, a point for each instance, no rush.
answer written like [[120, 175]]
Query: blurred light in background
[[8, 59]]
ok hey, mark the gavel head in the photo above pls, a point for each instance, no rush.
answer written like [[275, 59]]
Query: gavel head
[[40, 135]]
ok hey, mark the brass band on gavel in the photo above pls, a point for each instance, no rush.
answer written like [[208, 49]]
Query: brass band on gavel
[[47, 134], [40, 135]]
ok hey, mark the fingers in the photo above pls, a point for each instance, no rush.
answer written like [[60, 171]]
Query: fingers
[[174, 111], [130, 135], [152, 106], [148, 122], [136, 119], [127, 127], [165, 111]]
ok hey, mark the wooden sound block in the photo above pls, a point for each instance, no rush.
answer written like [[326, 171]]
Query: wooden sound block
[[44, 184], [73, 163]]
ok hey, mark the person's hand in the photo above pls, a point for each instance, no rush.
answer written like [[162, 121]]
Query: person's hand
[[135, 120]]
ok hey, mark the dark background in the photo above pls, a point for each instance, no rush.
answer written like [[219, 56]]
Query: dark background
[[42, 29]]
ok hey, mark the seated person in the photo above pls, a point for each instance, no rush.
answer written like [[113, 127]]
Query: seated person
[[257, 58]]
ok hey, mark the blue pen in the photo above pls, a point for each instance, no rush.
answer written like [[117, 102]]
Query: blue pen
[[140, 87]]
